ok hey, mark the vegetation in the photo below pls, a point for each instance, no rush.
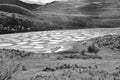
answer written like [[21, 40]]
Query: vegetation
[[15, 9], [108, 41], [9, 63], [11, 22], [14, 23], [8, 68], [20, 3], [14, 54], [93, 8], [93, 49], [63, 16], [12, 68], [21, 65], [77, 56]]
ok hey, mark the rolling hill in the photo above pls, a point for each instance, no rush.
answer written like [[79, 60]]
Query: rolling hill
[[86, 7], [15, 9], [73, 14], [19, 3], [103, 13]]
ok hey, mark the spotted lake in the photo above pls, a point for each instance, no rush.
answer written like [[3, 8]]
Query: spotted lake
[[42, 40]]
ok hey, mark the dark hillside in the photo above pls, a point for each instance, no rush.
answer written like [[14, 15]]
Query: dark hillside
[[75, 14], [11, 23], [15, 9], [19, 3]]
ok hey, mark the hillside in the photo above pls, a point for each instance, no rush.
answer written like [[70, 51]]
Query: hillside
[[79, 6], [19, 3], [102, 13], [10, 8], [69, 15]]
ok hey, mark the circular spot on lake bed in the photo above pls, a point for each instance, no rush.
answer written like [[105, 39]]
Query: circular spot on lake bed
[[22, 43], [39, 42], [15, 40], [79, 38], [34, 37], [53, 42], [57, 38], [34, 40], [14, 46], [36, 43], [38, 47], [26, 39], [26, 46], [5, 44]]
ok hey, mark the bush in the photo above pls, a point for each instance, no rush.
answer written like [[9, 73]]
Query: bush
[[93, 49], [83, 52]]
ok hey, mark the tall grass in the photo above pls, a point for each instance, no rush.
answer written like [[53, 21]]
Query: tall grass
[[8, 68], [9, 63]]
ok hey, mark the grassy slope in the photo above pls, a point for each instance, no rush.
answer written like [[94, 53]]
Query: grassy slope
[[103, 14], [70, 15], [19, 3], [44, 22], [15, 9], [20, 65]]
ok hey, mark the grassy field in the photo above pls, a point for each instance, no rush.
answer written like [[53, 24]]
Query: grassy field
[[95, 63]]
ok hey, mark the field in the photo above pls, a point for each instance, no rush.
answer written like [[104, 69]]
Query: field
[[98, 60]]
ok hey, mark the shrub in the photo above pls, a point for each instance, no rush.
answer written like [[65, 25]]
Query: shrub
[[93, 49], [83, 52], [48, 69]]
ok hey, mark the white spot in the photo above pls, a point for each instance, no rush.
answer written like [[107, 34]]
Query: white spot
[[22, 43], [26, 46], [53, 43], [5, 44]]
